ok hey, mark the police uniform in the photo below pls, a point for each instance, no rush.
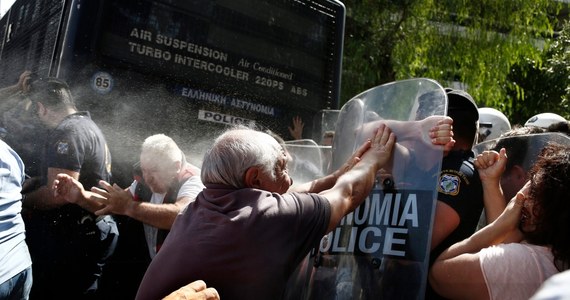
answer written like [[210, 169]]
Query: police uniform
[[70, 245], [459, 186]]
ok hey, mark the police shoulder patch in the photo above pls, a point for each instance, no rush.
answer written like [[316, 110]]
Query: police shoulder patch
[[449, 184], [62, 147]]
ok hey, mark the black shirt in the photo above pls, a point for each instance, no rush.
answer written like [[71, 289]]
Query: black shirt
[[77, 144], [459, 186], [69, 245]]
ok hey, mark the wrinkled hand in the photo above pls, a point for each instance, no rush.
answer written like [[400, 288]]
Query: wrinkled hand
[[297, 130], [491, 164], [196, 290], [67, 188], [115, 199], [381, 147], [438, 131]]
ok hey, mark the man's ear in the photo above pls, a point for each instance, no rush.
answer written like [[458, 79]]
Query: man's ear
[[178, 166], [252, 178]]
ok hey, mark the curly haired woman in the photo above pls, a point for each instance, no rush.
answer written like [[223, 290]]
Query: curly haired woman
[[488, 265]]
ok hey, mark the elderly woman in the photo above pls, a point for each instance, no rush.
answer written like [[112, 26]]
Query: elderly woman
[[486, 266]]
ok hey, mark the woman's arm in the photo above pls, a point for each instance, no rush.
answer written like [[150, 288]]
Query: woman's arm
[[456, 273], [491, 165]]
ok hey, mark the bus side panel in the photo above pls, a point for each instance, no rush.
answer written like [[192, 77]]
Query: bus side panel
[[30, 35], [188, 67]]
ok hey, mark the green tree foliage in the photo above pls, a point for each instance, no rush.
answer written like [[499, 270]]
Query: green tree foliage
[[475, 43], [373, 30], [558, 67], [542, 88]]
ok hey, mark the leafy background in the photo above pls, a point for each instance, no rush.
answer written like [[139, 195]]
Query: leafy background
[[511, 55]]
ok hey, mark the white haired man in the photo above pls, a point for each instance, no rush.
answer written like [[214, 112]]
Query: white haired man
[[167, 185], [247, 231]]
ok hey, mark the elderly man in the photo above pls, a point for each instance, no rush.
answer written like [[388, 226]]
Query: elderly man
[[164, 184], [167, 185], [246, 232]]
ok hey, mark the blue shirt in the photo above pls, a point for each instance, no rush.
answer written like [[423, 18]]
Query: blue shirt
[[14, 254]]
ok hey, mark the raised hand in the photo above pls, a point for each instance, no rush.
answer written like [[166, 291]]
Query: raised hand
[[381, 146], [24, 81], [67, 188], [438, 131], [115, 199], [297, 130], [491, 165]]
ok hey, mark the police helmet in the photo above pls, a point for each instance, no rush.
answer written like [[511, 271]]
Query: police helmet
[[492, 123], [544, 120]]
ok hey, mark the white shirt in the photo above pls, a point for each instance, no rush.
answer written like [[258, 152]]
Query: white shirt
[[515, 270], [191, 188]]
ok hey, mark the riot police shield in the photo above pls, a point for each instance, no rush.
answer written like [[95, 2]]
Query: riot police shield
[[381, 250], [522, 153], [324, 124], [305, 160], [523, 149]]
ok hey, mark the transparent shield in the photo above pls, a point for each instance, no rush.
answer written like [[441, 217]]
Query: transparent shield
[[324, 124], [306, 162], [381, 250], [522, 150]]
